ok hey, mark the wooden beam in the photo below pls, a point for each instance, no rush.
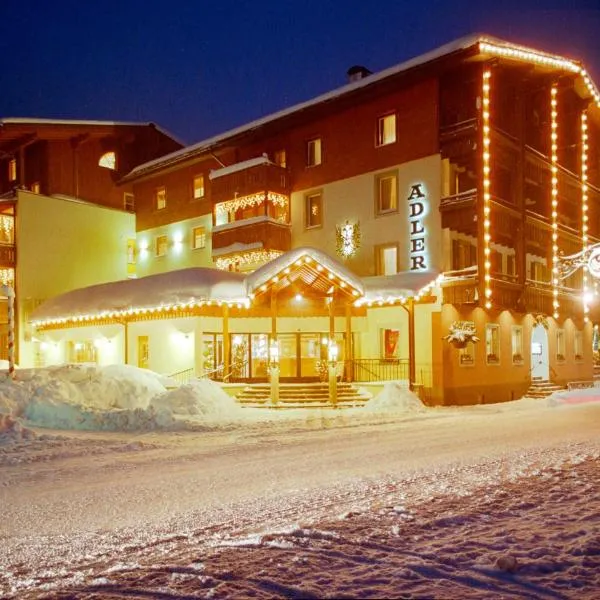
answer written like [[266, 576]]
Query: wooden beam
[[226, 345], [348, 348]]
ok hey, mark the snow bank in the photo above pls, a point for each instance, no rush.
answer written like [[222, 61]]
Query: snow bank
[[112, 398], [395, 397]]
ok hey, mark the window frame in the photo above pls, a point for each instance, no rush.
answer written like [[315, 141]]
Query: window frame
[[307, 197], [157, 193], [560, 345], [194, 178], [378, 179], [194, 237], [516, 333], [318, 143], [157, 245], [380, 130], [492, 354], [578, 344], [379, 262], [280, 158], [12, 170]]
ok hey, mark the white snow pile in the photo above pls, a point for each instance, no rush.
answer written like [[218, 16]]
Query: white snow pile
[[395, 397], [112, 398]]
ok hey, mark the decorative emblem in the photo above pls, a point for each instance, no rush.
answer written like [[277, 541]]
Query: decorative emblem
[[347, 239], [461, 333]]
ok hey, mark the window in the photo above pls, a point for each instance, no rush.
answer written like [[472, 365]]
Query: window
[[386, 130], [313, 156], [108, 160], [578, 345], [160, 195], [35, 187], [464, 254], [492, 344], [162, 244], [198, 187], [314, 210], [198, 238], [386, 259], [560, 344], [128, 201], [279, 158], [517, 345], [12, 169], [466, 355], [387, 193], [131, 258]]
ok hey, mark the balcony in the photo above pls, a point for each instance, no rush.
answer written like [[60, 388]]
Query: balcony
[[249, 241], [248, 178]]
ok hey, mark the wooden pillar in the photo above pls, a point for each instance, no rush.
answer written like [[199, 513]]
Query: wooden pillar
[[412, 367], [349, 349], [273, 315], [226, 345], [331, 320], [126, 342]]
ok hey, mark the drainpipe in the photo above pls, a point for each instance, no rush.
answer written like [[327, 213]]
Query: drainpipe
[[409, 307]]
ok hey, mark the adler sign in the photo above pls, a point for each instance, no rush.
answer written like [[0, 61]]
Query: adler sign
[[417, 210]]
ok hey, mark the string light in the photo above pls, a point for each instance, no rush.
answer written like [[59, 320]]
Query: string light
[[251, 200], [554, 188], [584, 212], [247, 258], [540, 58], [486, 158]]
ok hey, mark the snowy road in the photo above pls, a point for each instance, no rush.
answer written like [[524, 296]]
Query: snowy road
[[79, 511]]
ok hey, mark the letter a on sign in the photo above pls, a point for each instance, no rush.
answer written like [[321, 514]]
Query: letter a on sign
[[416, 192]]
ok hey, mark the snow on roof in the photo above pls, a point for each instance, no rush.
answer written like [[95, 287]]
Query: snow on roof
[[462, 43], [274, 267], [165, 289], [85, 123], [246, 164], [403, 284]]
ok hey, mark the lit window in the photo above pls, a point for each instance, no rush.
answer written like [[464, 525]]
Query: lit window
[[313, 156], [12, 169], [160, 195], [128, 201], [517, 345], [578, 345], [492, 344], [466, 355], [391, 346], [279, 158], [314, 210], [162, 244], [386, 130], [199, 237], [387, 193], [560, 344], [387, 259], [198, 186], [108, 160], [35, 187]]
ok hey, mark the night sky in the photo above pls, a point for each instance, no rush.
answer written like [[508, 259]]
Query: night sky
[[201, 67]]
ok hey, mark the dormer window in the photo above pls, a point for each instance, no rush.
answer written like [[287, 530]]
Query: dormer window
[[108, 160]]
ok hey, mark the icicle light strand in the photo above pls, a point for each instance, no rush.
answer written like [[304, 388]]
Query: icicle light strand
[[554, 160], [486, 187], [584, 212]]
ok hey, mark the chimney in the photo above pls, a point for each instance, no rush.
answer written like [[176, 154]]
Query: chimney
[[357, 72]]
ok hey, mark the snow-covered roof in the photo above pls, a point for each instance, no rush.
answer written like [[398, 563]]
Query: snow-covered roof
[[85, 123], [274, 267], [176, 288], [400, 285], [245, 164], [460, 44]]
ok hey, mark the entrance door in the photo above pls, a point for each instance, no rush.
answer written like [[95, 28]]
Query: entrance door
[[540, 364], [143, 348]]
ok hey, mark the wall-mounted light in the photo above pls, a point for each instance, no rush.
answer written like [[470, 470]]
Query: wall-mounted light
[[332, 351], [274, 353]]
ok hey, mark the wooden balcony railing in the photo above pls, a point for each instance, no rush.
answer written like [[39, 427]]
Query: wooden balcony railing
[[7, 255], [250, 181], [271, 234]]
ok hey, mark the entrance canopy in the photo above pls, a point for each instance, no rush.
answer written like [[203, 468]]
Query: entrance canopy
[[190, 290]]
